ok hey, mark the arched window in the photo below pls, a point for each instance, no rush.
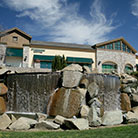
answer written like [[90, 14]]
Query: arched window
[[128, 68], [109, 67]]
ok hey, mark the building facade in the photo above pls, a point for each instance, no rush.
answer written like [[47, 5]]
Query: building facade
[[21, 51]]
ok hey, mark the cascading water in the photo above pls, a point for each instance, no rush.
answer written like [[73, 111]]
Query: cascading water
[[31, 92]]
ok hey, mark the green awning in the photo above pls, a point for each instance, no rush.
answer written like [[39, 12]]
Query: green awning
[[79, 60], [16, 52], [43, 58]]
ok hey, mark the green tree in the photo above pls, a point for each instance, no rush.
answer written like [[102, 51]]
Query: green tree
[[58, 63]]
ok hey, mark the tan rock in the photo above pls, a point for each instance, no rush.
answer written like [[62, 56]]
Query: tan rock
[[3, 89], [65, 102], [2, 105], [5, 121], [84, 111], [59, 119], [125, 102]]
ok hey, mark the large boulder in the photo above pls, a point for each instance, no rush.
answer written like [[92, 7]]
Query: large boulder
[[80, 124], [71, 79], [65, 102], [46, 125], [125, 102], [22, 123], [2, 105], [73, 67], [93, 89], [112, 118], [5, 121], [3, 89]]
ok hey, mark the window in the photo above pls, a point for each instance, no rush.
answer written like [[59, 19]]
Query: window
[[117, 45], [124, 47], [103, 47], [128, 68], [128, 50], [15, 38], [109, 67], [110, 46]]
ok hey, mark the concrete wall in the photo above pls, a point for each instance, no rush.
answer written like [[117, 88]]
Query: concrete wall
[[119, 57], [66, 53], [11, 43]]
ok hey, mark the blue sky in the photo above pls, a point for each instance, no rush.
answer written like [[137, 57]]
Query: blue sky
[[73, 21]]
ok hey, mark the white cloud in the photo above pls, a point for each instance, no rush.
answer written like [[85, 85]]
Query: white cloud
[[134, 8], [62, 22]]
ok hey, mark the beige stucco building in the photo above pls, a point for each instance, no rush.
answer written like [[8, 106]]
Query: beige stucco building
[[21, 51]]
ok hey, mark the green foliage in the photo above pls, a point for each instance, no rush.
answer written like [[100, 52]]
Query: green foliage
[[58, 63], [135, 74]]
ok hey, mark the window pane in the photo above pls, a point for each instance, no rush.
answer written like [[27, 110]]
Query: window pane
[[117, 45], [110, 46]]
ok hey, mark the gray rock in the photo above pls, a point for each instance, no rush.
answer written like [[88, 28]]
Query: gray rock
[[112, 118], [127, 90], [128, 79], [22, 123], [59, 119], [134, 98], [84, 111], [133, 90], [71, 78], [83, 94], [73, 67], [5, 121], [84, 83], [93, 89], [132, 117], [94, 119], [46, 125], [80, 124], [41, 117]]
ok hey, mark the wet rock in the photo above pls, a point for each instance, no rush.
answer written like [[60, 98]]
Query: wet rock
[[3, 89], [86, 69], [84, 111], [93, 89], [94, 119], [65, 102], [59, 119], [46, 125], [71, 79], [5, 121], [84, 83], [41, 117], [125, 102], [80, 124], [112, 118], [2, 105], [22, 123], [73, 67]]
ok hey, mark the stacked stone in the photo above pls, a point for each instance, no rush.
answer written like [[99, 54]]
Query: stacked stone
[[79, 98], [129, 98], [3, 92]]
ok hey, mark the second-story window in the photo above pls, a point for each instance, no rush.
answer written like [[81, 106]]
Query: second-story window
[[117, 45], [15, 39]]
